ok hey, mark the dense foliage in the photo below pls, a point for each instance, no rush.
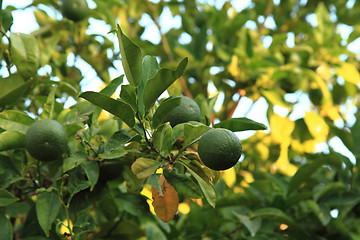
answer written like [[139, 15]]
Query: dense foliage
[[128, 175]]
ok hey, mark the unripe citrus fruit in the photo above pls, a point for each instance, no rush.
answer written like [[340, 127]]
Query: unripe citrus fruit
[[188, 110], [75, 10], [46, 140], [219, 149]]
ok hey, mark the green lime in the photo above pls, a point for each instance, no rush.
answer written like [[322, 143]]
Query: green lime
[[75, 10], [188, 110], [46, 140], [219, 149]]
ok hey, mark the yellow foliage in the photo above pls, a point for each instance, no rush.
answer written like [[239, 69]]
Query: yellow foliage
[[263, 150], [331, 111], [233, 66], [104, 115], [310, 146], [297, 146], [147, 193], [248, 178], [349, 73], [281, 128], [324, 71], [64, 227], [282, 164], [184, 208], [229, 176], [317, 126]]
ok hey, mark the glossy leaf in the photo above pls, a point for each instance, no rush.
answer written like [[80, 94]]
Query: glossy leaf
[[206, 188], [11, 140], [128, 95], [12, 89], [116, 107], [163, 110], [161, 139], [165, 206], [13, 120], [131, 58], [91, 169], [163, 78], [240, 124], [149, 68], [47, 209], [192, 133], [6, 198], [112, 86], [144, 167], [77, 182], [183, 184], [26, 54]]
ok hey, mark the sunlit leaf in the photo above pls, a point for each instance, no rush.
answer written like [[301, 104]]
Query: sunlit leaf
[[167, 205], [163, 78], [47, 209], [116, 107], [162, 139], [26, 54], [349, 73], [11, 140], [240, 124], [281, 128], [13, 120], [12, 89], [144, 167], [131, 58], [317, 126]]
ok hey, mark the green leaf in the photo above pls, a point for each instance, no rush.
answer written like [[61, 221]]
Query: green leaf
[[91, 169], [240, 124], [252, 225], [12, 89], [6, 19], [155, 86], [144, 167], [13, 120], [116, 107], [153, 180], [192, 133], [322, 191], [304, 172], [110, 89], [83, 224], [162, 139], [163, 110], [26, 54], [114, 153], [276, 97], [128, 95], [11, 140], [149, 68], [153, 232], [131, 58], [48, 109], [73, 161], [322, 212], [47, 209], [77, 182], [183, 184], [117, 140], [6, 198], [6, 229], [206, 188], [275, 214]]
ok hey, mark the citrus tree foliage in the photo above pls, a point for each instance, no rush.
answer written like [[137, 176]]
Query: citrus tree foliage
[[128, 175]]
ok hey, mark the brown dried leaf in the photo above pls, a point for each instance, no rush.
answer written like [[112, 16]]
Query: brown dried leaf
[[167, 205]]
